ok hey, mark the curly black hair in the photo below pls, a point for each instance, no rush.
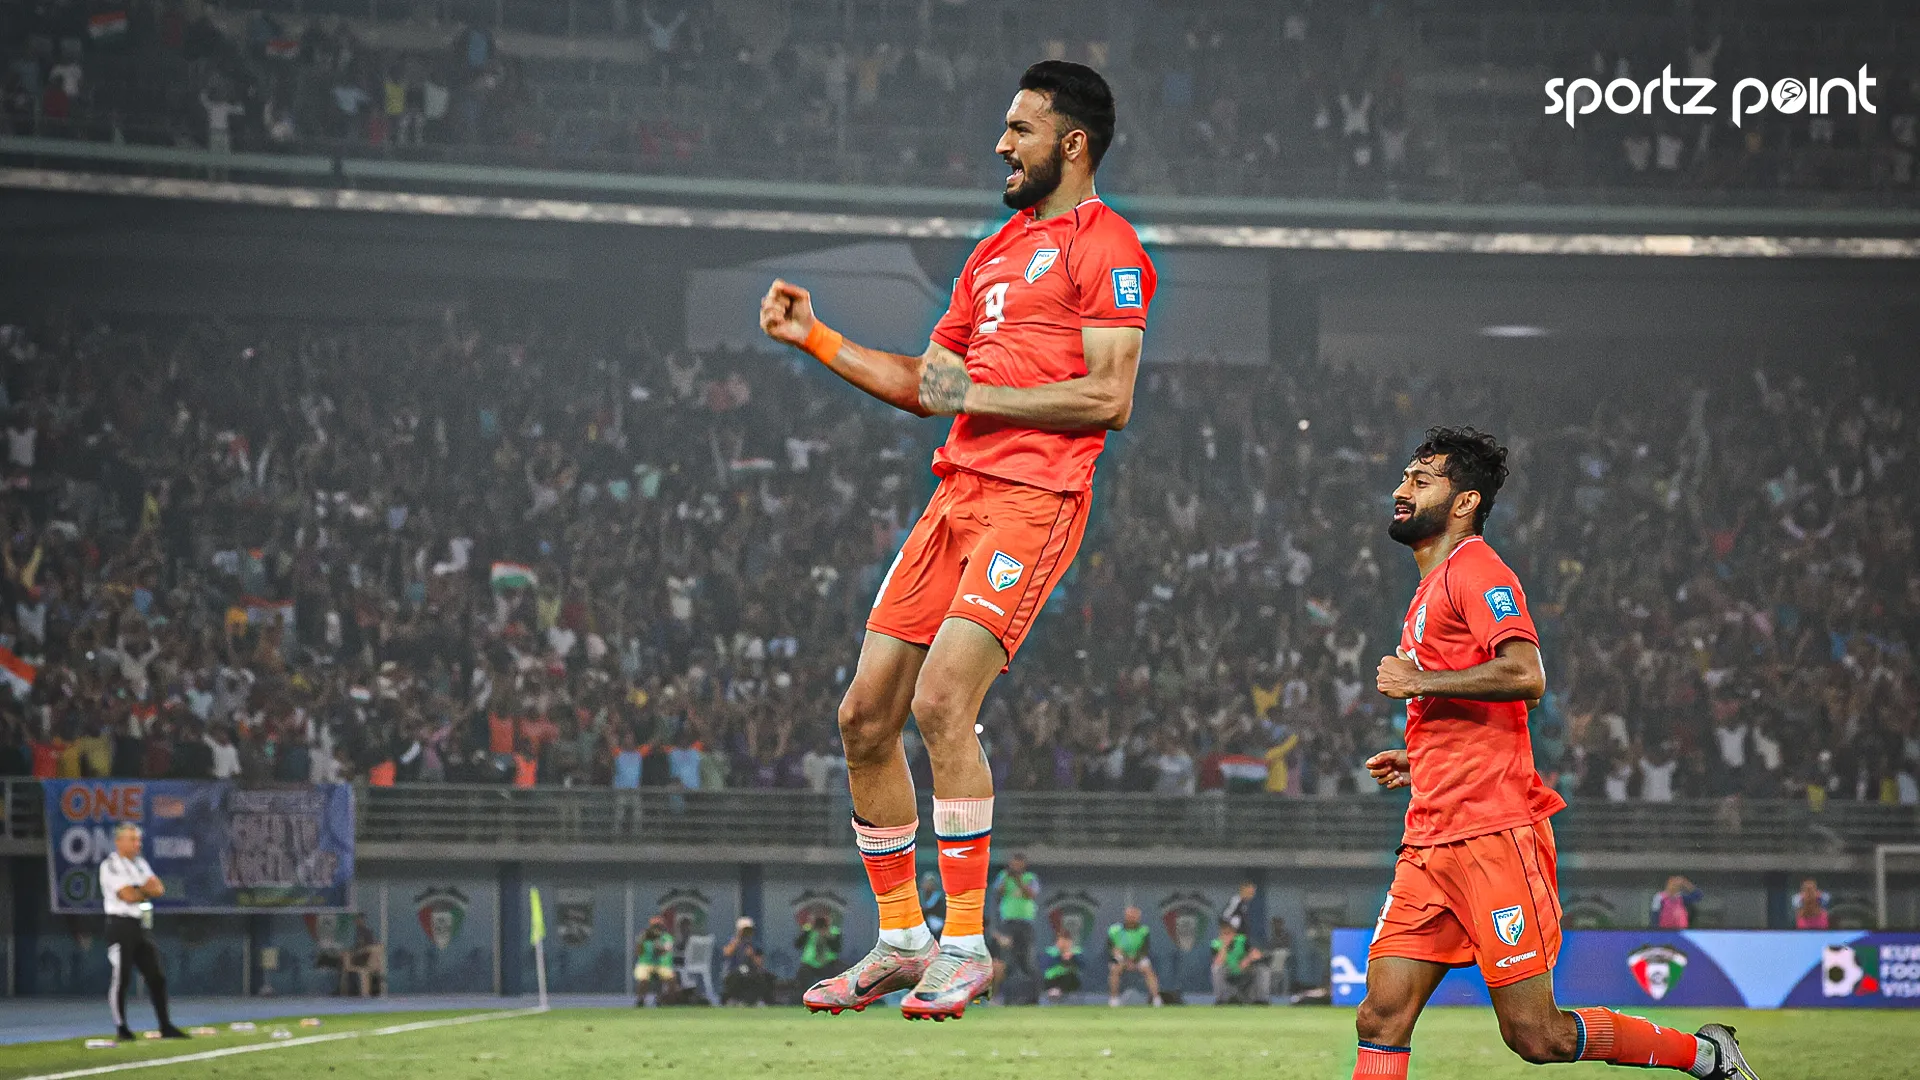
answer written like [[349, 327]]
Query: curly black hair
[[1475, 461]]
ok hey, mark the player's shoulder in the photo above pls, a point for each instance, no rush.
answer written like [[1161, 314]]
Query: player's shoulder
[[1097, 221], [1477, 557]]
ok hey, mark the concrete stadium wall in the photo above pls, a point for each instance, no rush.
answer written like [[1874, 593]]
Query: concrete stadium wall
[[593, 912]]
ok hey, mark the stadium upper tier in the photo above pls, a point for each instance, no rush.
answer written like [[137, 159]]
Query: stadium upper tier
[[451, 822], [1381, 102]]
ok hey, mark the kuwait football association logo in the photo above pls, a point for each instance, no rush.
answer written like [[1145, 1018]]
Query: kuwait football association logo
[[1073, 914], [442, 910], [1657, 968], [813, 904], [685, 911], [1185, 915], [1849, 970]]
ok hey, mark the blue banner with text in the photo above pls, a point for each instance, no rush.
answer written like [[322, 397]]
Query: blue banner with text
[[218, 848], [1755, 969]]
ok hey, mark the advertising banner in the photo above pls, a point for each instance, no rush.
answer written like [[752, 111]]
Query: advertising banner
[[1755, 969], [219, 849]]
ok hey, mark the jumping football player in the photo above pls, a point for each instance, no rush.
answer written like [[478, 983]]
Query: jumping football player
[[1475, 880], [1035, 361]]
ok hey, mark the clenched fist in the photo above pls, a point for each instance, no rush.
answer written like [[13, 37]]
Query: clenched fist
[[786, 313]]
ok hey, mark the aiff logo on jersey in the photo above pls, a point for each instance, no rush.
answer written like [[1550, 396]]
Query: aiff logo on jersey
[[1509, 923], [1041, 262], [1126, 288], [1500, 601]]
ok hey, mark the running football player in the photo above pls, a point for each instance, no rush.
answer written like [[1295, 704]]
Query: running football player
[[1035, 361], [1475, 879]]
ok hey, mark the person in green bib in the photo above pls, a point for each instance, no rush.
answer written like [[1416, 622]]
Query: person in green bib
[[1063, 967], [1016, 901], [819, 946], [1240, 974], [1127, 946], [652, 962]]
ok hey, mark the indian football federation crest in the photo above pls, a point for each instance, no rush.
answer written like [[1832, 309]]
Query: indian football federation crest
[[685, 911], [1073, 914], [442, 910], [1509, 923], [573, 916], [1657, 968], [1186, 916], [1420, 623], [1041, 262], [1003, 571], [812, 904]]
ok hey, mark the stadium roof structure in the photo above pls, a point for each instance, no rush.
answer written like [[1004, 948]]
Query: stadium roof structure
[[372, 185]]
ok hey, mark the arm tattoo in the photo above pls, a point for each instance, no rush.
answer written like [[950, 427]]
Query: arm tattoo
[[943, 387]]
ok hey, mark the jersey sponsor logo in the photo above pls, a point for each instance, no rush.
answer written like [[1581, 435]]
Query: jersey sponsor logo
[[1509, 961], [1003, 571], [1657, 968], [1500, 601], [1127, 292], [1509, 923], [980, 601], [1041, 262], [1420, 623]]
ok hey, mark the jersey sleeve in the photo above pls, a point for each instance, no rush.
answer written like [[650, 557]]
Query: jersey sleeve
[[1489, 598], [1113, 276], [954, 331]]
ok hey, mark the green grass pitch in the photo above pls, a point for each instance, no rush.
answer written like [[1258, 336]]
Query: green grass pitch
[[1095, 1043]]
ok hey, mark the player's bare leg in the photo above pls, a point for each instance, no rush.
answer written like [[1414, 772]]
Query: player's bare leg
[[1541, 1032], [885, 822], [960, 667], [1153, 981], [1397, 990]]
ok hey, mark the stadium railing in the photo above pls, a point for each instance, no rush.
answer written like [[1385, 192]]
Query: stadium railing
[[460, 820]]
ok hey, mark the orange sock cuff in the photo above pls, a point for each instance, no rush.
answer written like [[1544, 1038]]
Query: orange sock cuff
[[823, 342], [1377, 1061], [887, 851]]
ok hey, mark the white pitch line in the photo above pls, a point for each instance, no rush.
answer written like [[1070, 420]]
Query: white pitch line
[[305, 1040]]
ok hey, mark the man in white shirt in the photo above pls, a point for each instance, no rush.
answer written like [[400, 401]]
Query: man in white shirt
[[128, 887]]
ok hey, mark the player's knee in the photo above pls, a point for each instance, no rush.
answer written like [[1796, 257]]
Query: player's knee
[[938, 713], [866, 730], [1537, 1043]]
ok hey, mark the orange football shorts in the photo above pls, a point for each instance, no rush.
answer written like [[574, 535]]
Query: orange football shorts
[[986, 550], [1492, 899]]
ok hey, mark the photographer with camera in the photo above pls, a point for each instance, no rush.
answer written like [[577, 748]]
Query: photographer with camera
[[653, 963], [819, 947]]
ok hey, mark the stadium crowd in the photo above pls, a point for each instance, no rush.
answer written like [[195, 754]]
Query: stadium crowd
[[492, 550], [1221, 98]]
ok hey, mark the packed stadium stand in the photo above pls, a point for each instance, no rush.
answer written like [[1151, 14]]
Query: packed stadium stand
[[1421, 101], [456, 552]]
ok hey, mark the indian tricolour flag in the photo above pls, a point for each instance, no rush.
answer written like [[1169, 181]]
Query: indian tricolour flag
[[107, 24], [17, 673], [508, 575]]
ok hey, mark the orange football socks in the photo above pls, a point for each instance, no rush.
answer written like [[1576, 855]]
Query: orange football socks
[[887, 851], [1619, 1039], [964, 829]]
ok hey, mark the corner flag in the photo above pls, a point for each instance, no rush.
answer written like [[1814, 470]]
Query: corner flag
[[539, 916]]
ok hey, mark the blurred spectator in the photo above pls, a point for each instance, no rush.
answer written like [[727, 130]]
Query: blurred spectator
[[1062, 975], [747, 978], [1810, 907], [1015, 899], [1240, 975], [653, 962], [819, 948], [1239, 910], [1127, 942], [1673, 906]]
